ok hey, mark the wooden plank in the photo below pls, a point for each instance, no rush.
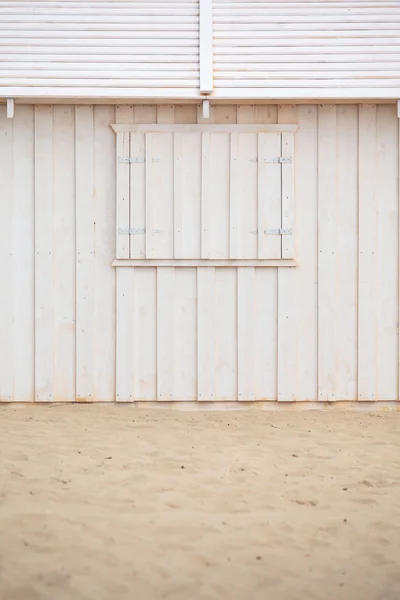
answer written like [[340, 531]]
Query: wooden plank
[[159, 195], [125, 335], [145, 334], [85, 246], [44, 246], [266, 113], [64, 253], [287, 310], [201, 120], [243, 196], [288, 195], [269, 195], [246, 326], [225, 114], [206, 46], [305, 288], [220, 113], [368, 248], [206, 334], [165, 113], [185, 335], [205, 194], [187, 113], [226, 334], [387, 258], [166, 293], [123, 195], [327, 258], [178, 262], [187, 195], [22, 255], [245, 113], [266, 334], [346, 252], [104, 239], [137, 191], [6, 258]]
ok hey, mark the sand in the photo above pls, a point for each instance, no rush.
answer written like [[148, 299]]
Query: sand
[[112, 502]]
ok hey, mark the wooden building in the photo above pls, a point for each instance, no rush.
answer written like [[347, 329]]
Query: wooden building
[[199, 200]]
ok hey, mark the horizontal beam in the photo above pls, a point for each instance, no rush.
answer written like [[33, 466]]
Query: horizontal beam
[[183, 262], [143, 128]]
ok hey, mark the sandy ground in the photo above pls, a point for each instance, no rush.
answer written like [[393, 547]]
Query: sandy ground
[[113, 502]]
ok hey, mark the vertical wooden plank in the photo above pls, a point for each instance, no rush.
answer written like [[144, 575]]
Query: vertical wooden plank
[[123, 195], [266, 113], [142, 113], [125, 356], [44, 250], [23, 255], [206, 333], [327, 232], [165, 332], [288, 194], [159, 195], [388, 252], [368, 285], [185, 335], [225, 114], [125, 281], [145, 334], [305, 289], [243, 195], [185, 114], [398, 289], [85, 245], [105, 275], [266, 333], [64, 253], [269, 195], [205, 194], [346, 253], [165, 113], [6, 258], [246, 325], [137, 190], [287, 309], [201, 120], [245, 113], [226, 334]]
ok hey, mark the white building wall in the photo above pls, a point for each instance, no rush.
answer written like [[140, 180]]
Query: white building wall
[[73, 327]]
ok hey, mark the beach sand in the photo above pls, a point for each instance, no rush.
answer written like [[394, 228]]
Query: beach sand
[[114, 502]]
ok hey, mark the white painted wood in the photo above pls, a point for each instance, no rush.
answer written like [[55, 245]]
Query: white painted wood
[[85, 245], [266, 334], [206, 206], [387, 270], [226, 334], [368, 247], [165, 332], [269, 195], [206, 46], [287, 310], [145, 334], [10, 108], [6, 258], [204, 262], [21, 260], [288, 192], [206, 343], [246, 332], [327, 258], [44, 254], [64, 253], [185, 335], [123, 194], [104, 253], [346, 252], [125, 334]]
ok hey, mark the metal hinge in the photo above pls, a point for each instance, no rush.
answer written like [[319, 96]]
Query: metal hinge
[[278, 231], [278, 160], [135, 159], [136, 231]]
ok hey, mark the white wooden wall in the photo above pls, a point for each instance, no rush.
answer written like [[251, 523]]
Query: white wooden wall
[[72, 327]]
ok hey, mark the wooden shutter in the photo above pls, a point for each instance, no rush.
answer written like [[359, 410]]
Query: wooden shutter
[[205, 192]]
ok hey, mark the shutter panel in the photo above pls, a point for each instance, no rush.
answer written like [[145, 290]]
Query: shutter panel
[[306, 49], [211, 193], [98, 48]]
